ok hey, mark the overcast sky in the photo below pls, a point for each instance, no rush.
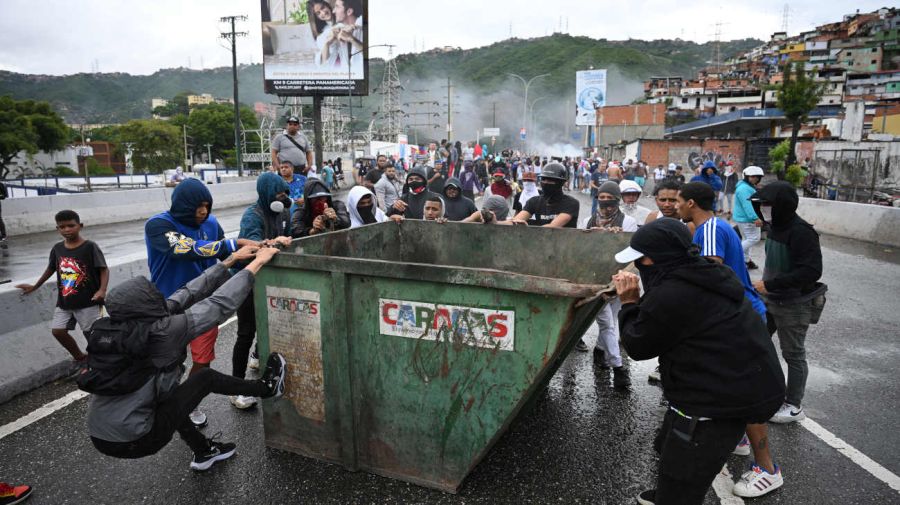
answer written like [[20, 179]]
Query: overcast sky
[[140, 37]]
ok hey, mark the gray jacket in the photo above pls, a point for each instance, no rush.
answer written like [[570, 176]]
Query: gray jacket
[[202, 304], [387, 192]]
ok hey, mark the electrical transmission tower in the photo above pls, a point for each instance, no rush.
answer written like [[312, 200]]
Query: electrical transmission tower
[[390, 114], [785, 15], [334, 123]]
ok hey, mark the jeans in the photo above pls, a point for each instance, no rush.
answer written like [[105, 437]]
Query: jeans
[[608, 337], [173, 414], [689, 459], [246, 332], [750, 234], [593, 205], [792, 322]]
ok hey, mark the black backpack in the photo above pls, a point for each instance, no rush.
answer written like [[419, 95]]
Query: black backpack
[[118, 358]]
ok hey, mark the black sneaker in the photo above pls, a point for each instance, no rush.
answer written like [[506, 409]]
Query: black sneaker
[[581, 346], [621, 377], [647, 497], [751, 265], [218, 451], [273, 377]]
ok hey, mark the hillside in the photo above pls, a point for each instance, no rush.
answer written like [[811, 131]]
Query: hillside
[[118, 97]]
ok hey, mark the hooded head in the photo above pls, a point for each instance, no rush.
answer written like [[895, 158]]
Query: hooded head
[[270, 188], [413, 179], [361, 215], [667, 243], [776, 203], [316, 198], [453, 184], [187, 198], [135, 298], [707, 166]]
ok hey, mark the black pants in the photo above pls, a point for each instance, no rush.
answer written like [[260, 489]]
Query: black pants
[[246, 332], [690, 456], [173, 415]]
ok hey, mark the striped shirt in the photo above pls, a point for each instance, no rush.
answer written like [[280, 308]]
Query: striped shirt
[[716, 238]]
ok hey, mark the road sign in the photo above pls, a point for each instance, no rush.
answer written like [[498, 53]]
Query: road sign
[[492, 132], [256, 157], [522, 133]]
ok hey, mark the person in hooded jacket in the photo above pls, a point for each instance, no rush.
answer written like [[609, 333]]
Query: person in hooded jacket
[[140, 422], [710, 175], [183, 242], [362, 209], [456, 206], [718, 365], [412, 204], [268, 220], [319, 212], [790, 286]]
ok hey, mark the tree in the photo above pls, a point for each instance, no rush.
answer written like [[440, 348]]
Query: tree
[[214, 124], [156, 144], [28, 126], [797, 96]]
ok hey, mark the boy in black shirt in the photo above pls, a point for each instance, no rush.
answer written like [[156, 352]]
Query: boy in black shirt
[[81, 281], [552, 208]]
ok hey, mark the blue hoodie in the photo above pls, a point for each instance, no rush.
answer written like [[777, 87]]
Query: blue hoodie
[[259, 222], [713, 179], [178, 249]]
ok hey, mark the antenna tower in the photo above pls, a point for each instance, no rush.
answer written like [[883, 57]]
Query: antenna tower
[[391, 115]]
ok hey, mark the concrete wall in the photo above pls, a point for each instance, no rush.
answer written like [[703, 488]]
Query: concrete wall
[[691, 154], [33, 215], [871, 223]]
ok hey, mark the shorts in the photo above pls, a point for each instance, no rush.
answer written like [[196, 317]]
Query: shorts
[[640, 180], [203, 348], [65, 319]]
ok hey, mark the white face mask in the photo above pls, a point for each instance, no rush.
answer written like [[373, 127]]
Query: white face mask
[[766, 211], [276, 207]]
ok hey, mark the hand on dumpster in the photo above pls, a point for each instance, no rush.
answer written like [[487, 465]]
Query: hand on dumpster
[[285, 241], [399, 205], [397, 218], [246, 253], [627, 287]]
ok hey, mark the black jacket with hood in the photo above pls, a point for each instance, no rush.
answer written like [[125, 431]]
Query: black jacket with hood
[[793, 255], [302, 220], [415, 202], [459, 208], [716, 358]]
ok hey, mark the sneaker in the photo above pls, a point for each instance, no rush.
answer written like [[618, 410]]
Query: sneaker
[[198, 418], [273, 377], [751, 265], [743, 447], [757, 482], [654, 375], [253, 362], [581, 346], [10, 494], [242, 402], [621, 377], [788, 414], [647, 497], [218, 451]]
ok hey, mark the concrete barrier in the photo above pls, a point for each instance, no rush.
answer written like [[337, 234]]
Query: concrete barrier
[[871, 223], [35, 214]]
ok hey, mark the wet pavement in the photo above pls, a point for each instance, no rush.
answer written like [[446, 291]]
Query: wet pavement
[[582, 442]]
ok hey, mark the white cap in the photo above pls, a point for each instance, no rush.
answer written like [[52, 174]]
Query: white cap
[[753, 170], [627, 186], [628, 255]]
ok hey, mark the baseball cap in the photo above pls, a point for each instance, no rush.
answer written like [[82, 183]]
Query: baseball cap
[[627, 186], [293, 119], [663, 240]]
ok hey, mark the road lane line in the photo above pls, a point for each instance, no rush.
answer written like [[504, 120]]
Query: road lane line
[[866, 463], [58, 404]]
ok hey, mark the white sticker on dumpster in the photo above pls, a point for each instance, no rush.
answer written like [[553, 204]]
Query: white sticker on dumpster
[[474, 326], [295, 331]]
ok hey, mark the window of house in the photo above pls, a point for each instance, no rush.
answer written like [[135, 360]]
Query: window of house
[[874, 62], [874, 49], [684, 100], [849, 53]]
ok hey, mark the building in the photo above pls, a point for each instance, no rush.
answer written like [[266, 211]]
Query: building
[[624, 123], [205, 99]]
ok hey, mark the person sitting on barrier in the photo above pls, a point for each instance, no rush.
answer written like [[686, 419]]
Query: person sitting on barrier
[[434, 210], [136, 356], [493, 210], [319, 212], [362, 208], [457, 206], [412, 204], [718, 366]]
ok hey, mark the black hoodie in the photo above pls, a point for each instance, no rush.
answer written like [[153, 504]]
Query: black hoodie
[[716, 358], [793, 254], [459, 208], [302, 220], [415, 202]]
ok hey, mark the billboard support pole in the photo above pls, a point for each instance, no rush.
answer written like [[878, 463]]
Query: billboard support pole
[[317, 130]]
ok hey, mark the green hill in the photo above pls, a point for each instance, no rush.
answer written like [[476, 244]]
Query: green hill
[[118, 97]]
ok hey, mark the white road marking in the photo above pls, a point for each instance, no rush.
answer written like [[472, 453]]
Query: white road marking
[[58, 404], [723, 485], [866, 463]]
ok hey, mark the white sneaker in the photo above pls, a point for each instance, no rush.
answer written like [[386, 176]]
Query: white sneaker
[[757, 482], [198, 418], [242, 402], [654, 375], [788, 414], [743, 447], [253, 362]]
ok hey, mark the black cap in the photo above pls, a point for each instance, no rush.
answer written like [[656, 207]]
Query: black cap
[[662, 240], [293, 119]]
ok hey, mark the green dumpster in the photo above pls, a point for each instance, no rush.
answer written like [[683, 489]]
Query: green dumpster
[[412, 348]]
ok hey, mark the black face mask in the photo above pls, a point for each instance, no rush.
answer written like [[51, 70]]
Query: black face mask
[[551, 189], [416, 186], [366, 213], [651, 275]]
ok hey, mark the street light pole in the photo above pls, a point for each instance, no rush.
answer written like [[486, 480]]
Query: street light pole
[[531, 107], [525, 104]]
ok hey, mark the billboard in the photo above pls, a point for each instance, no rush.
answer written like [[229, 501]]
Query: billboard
[[315, 47], [590, 93]]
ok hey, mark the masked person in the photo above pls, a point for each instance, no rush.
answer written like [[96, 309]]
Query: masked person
[[709, 175], [631, 195], [362, 208], [493, 210], [319, 212], [456, 206], [529, 190], [501, 187], [269, 221], [412, 204], [718, 366], [552, 209], [609, 215]]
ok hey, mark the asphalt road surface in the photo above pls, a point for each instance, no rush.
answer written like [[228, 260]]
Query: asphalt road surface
[[583, 442]]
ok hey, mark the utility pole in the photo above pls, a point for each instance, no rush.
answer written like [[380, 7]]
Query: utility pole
[[232, 37], [494, 115], [209, 153], [449, 87], [184, 133]]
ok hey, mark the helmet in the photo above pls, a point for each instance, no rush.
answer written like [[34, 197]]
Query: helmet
[[753, 170], [554, 171], [627, 186]]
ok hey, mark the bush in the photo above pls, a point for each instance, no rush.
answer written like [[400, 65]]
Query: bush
[[795, 175], [778, 155], [64, 171], [95, 168]]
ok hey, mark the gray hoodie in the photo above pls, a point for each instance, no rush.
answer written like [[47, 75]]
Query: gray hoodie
[[200, 305]]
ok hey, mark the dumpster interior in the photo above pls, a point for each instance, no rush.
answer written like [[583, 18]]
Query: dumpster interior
[[478, 246]]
